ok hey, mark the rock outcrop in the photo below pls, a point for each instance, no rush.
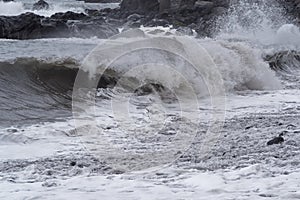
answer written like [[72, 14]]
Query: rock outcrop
[[139, 6], [183, 15], [276, 140], [32, 26]]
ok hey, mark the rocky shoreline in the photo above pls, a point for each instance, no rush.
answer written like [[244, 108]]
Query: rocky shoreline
[[184, 15]]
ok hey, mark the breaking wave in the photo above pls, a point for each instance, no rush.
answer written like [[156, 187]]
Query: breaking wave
[[287, 61], [241, 66], [34, 90]]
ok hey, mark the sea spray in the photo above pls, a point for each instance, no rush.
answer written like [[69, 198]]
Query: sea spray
[[11, 8]]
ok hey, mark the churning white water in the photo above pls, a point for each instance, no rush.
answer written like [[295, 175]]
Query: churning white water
[[241, 66]]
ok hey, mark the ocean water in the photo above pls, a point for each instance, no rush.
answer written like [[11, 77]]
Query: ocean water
[[152, 114]]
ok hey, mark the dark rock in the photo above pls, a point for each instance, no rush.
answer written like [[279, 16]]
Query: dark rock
[[95, 13], [32, 26], [187, 3], [41, 5], [25, 26], [80, 165], [69, 16], [192, 14], [102, 1], [276, 140], [140, 6], [52, 28], [164, 6], [73, 163]]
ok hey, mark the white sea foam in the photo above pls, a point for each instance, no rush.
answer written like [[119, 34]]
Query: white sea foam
[[288, 34], [242, 66], [17, 8]]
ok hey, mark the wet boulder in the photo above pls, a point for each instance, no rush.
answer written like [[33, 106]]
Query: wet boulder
[[140, 6], [41, 5], [24, 26], [69, 16]]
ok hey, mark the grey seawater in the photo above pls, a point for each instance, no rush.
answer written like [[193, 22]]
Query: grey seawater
[[37, 78], [46, 48], [37, 87]]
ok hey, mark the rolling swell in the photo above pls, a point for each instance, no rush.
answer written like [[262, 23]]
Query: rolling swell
[[33, 90]]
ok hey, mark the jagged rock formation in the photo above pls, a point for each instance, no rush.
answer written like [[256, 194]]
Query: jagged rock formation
[[183, 15], [31, 26]]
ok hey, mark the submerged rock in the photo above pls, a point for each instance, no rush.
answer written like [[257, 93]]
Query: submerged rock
[[41, 5]]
